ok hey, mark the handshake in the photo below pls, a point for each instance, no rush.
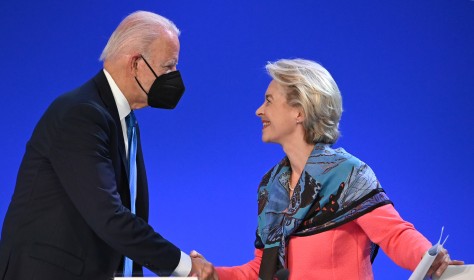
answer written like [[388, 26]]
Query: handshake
[[201, 268], [204, 270]]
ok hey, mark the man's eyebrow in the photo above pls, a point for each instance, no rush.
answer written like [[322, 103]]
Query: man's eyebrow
[[168, 63]]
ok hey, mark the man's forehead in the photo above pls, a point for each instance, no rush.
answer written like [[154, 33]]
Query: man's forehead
[[166, 50]]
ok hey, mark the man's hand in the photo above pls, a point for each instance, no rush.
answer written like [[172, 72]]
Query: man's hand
[[201, 268]]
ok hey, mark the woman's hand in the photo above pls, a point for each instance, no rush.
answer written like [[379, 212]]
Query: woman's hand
[[441, 263]]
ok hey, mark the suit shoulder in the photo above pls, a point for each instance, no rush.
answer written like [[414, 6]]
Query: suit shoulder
[[87, 95]]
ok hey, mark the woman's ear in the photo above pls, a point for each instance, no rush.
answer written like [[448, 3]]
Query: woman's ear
[[300, 116]]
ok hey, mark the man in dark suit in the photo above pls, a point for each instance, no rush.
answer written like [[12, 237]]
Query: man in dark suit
[[74, 213]]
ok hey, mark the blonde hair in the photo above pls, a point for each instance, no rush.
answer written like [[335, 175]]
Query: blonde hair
[[311, 88], [135, 34]]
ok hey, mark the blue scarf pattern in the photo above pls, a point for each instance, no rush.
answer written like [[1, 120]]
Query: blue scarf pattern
[[334, 188]]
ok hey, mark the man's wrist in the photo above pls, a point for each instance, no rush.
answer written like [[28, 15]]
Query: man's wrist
[[184, 266]]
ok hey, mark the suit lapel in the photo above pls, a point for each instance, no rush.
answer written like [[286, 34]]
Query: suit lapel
[[108, 98]]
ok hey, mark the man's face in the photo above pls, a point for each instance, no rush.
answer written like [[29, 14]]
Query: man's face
[[163, 57]]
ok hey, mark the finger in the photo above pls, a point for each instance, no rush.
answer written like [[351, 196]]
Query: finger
[[434, 266], [430, 271], [444, 264], [456, 262], [195, 254], [442, 257], [207, 272]]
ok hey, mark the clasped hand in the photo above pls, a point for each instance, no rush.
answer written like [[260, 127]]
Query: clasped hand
[[201, 268]]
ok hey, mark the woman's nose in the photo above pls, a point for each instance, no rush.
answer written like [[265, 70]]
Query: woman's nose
[[259, 111]]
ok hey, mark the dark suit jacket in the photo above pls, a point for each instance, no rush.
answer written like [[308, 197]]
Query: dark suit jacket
[[69, 216]]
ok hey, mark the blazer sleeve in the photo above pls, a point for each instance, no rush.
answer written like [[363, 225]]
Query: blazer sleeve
[[399, 239], [246, 271], [81, 157]]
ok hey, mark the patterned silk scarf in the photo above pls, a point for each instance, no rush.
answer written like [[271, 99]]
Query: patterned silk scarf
[[334, 188]]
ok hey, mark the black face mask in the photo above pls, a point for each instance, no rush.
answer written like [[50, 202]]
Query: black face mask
[[166, 90]]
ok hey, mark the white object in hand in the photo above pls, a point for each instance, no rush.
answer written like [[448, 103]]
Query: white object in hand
[[427, 260]]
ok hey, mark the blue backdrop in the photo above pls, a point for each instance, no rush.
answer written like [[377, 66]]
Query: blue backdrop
[[405, 69]]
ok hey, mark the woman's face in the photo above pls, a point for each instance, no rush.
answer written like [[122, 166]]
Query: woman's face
[[279, 119]]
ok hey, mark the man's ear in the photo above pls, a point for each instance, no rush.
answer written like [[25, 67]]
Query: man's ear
[[133, 63]]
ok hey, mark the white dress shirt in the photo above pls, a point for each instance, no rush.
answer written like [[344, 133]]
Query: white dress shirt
[[184, 267]]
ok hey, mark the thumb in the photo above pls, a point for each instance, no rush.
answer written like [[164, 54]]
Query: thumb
[[195, 254]]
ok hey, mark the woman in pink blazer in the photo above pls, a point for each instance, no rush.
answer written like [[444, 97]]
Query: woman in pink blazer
[[322, 213]]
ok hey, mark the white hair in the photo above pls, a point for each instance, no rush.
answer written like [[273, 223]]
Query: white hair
[[135, 34]]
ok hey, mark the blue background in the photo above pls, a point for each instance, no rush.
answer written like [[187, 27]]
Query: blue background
[[405, 70]]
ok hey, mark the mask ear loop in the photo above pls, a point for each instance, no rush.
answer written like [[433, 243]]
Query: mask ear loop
[[149, 66], [136, 79], [140, 85]]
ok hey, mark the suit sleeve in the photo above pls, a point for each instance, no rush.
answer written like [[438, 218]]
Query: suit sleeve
[[81, 157], [246, 271], [397, 238]]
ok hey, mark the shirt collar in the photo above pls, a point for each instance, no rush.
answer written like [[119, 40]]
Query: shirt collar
[[122, 104]]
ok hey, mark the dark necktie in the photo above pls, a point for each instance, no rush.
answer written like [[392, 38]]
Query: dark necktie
[[131, 122]]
